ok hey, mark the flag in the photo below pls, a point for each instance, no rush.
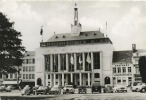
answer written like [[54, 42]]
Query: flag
[[80, 60], [88, 58], [72, 60], [41, 32]]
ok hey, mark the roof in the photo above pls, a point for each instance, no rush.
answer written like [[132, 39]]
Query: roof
[[83, 36], [29, 53], [122, 56]]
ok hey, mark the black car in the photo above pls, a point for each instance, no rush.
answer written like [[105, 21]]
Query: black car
[[96, 87], [82, 89], [42, 90]]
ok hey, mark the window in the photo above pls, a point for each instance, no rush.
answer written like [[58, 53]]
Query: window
[[26, 68], [119, 69], [33, 76], [24, 61], [23, 69], [26, 76], [32, 68], [15, 75], [19, 75], [7, 76], [96, 60], [124, 69], [23, 76], [114, 70], [11, 75], [33, 61], [48, 76], [56, 76], [29, 68], [29, 76], [0, 75], [96, 75], [129, 69]]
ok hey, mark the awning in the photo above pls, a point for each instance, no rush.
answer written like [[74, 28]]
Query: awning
[[10, 82]]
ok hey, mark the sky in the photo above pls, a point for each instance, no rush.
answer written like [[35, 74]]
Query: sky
[[126, 20]]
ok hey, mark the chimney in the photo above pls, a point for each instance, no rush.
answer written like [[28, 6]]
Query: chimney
[[134, 47]]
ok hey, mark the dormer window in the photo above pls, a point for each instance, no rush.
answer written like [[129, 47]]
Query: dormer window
[[63, 36], [56, 37], [86, 34]]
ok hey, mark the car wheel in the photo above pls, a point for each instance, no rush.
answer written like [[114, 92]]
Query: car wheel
[[143, 90]]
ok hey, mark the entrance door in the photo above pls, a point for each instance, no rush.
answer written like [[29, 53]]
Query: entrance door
[[39, 81], [107, 80]]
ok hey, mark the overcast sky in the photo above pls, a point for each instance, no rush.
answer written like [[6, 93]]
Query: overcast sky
[[126, 20]]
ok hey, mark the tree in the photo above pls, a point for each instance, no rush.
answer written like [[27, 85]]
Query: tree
[[142, 68], [11, 49]]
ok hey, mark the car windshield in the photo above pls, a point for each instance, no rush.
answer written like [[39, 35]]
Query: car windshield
[[69, 86]]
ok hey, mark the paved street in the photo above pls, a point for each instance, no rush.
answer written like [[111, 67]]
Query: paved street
[[16, 94]]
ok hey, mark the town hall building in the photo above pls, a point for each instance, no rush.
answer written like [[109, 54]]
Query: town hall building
[[78, 57]]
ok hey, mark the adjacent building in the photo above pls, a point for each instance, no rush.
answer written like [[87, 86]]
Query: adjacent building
[[80, 58]]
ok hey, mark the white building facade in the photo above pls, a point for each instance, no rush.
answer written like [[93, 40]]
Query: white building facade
[[80, 58]]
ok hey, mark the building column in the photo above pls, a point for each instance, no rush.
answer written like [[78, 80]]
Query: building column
[[92, 61], [54, 79], [80, 78], [75, 62], [51, 61], [59, 64], [51, 80], [88, 79], [67, 62], [71, 77], [62, 79], [83, 54], [101, 68]]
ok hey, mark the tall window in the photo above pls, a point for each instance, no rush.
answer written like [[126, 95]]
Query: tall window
[[15, 75], [23, 76], [114, 70], [47, 63], [96, 60], [124, 69], [29, 76], [119, 69], [33, 68], [87, 61], [33, 61], [55, 63], [11, 75], [0, 75], [129, 69], [24, 69], [63, 61], [33, 76], [29, 68], [79, 60], [26, 76]]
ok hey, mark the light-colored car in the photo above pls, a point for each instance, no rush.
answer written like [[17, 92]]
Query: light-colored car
[[42, 90], [2, 88], [55, 89], [68, 89], [9, 88], [25, 90], [119, 88], [138, 87]]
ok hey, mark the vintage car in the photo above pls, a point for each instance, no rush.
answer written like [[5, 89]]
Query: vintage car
[[143, 89], [2, 88], [138, 87], [119, 88], [82, 89], [42, 90], [96, 87], [9, 88], [108, 88], [68, 89], [26, 90], [56, 89]]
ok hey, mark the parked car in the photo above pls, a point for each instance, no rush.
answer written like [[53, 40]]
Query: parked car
[[27, 90], [143, 89], [82, 89], [96, 87], [2, 88], [68, 89], [56, 89], [138, 87], [42, 90], [119, 88], [108, 88], [9, 88], [135, 87]]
